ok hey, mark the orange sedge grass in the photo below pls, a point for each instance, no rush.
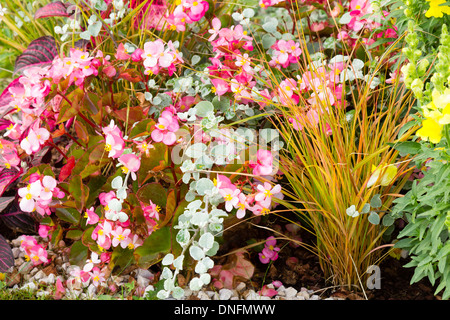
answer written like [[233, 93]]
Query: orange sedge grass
[[327, 174]]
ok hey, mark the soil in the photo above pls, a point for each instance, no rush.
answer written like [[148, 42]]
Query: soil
[[304, 270]]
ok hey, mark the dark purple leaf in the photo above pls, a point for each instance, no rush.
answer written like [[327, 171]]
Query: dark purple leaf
[[5, 97], [8, 176], [4, 202], [54, 9], [40, 52], [82, 44], [19, 221], [6, 255]]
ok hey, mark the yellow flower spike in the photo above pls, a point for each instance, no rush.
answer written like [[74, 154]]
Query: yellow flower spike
[[2, 276], [387, 177]]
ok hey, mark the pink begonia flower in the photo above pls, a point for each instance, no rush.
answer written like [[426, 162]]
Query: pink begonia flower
[[27, 242], [29, 195], [104, 231], [10, 160], [151, 211], [267, 292], [231, 197], [271, 242], [220, 86], [178, 19], [131, 163], [105, 198], [115, 145], [216, 25], [90, 263], [223, 181], [244, 62], [265, 256], [91, 216], [241, 205], [265, 194], [43, 230], [136, 56], [32, 143], [105, 257], [318, 26], [97, 276], [152, 52], [121, 53], [120, 236], [48, 185], [60, 290], [165, 128], [133, 242], [277, 283], [38, 255], [264, 163], [112, 129], [197, 9]]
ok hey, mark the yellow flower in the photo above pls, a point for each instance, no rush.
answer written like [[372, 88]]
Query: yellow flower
[[431, 130], [389, 173], [436, 10]]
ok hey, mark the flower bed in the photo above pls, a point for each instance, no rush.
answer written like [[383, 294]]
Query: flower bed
[[140, 134]]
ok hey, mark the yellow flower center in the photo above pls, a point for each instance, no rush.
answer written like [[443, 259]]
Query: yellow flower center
[[357, 7], [195, 3], [28, 196], [125, 170], [267, 193], [228, 197], [7, 166], [265, 211], [108, 147], [130, 246]]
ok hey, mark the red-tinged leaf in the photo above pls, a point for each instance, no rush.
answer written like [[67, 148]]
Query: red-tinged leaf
[[66, 170], [81, 131], [132, 114], [54, 9], [8, 176], [6, 255], [58, 132], [6, 97], [39, 52], [130, 75]]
